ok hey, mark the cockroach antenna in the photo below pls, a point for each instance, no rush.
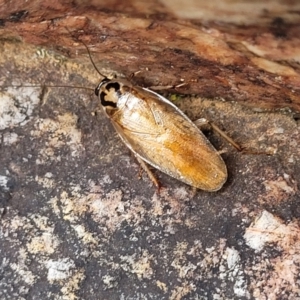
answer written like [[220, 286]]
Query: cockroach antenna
[[91, 58], [89, 53]]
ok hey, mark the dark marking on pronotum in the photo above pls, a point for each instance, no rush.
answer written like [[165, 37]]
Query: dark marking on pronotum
[[114, 85], [106, 103], [117, 89]]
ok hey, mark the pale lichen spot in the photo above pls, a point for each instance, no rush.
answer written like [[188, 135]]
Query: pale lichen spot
[[59, 269], [17, 106], [10, 138], [43, 244], [4, 182]]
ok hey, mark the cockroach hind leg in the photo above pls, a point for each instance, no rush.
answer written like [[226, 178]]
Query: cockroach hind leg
[[225, 136], [205, 123], [167, 87], [256, 152], [201, 123], [148, 171], [241, 149]]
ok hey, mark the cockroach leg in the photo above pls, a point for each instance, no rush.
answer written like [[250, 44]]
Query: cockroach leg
[[148, 171], [222, 151], [140, 174], [204, 122], [134, 74], [167, 87], [194, 192], [159, 87], [225, 136]]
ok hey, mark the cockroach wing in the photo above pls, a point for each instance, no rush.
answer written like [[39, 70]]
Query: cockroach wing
[[160, 134]]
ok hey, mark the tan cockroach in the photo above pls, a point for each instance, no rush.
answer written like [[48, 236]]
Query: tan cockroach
[[160, 134], [157, 132]]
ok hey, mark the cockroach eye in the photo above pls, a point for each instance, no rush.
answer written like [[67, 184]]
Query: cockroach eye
[[98, 88]]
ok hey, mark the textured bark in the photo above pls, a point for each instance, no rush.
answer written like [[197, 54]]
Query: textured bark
[[257, 65]]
